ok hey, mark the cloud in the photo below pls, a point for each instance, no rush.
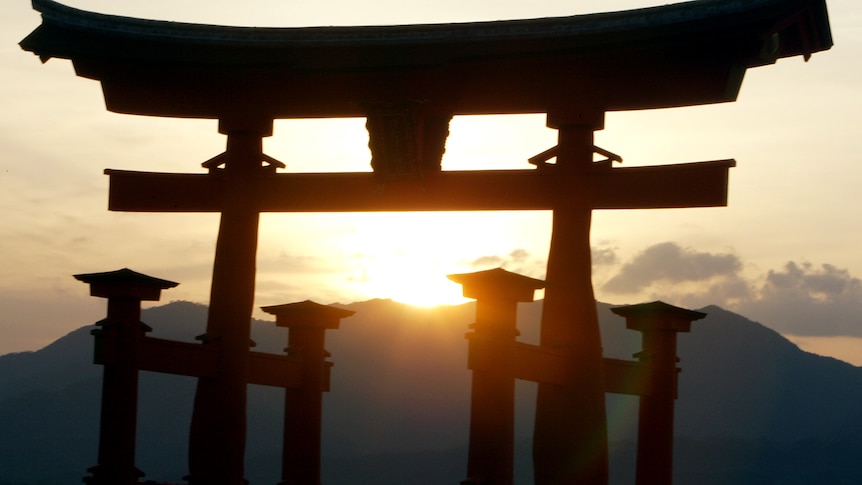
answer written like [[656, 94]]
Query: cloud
[[517, 256], [603, 256], [670, 263], [518, 261], [801, 299], [483, 262], [824, 284], [809, 300], [520, 258]]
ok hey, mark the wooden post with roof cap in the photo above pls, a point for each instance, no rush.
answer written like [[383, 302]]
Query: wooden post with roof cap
[[492, 360], [117, 349], [659, 323], [303, 405]]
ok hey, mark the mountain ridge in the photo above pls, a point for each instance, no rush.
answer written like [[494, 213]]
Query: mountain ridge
[[400, 389]]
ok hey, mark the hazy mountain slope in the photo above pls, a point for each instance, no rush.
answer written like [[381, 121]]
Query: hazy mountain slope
[[68, 359], [743, 380], [750, 402]]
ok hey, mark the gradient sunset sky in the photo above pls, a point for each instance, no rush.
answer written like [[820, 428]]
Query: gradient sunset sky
[[786, 252]]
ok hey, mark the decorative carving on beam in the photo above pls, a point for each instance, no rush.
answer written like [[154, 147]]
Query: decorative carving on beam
[[405, 142]]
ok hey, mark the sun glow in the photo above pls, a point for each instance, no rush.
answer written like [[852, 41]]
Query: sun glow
[[407, 256], [399, 255], [408, 280]]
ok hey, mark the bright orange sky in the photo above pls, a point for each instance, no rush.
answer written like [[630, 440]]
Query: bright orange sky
[[785, 252]]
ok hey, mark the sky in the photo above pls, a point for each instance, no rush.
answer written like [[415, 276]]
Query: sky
[[785, 252]]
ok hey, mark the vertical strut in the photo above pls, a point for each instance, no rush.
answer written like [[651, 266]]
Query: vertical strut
[[217, 440], [570, 440]]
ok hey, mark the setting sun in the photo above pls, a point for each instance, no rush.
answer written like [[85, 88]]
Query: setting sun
[[410, 264], [407, 280]]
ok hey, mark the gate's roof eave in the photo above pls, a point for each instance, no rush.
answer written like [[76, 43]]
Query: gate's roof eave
[[606, 56]]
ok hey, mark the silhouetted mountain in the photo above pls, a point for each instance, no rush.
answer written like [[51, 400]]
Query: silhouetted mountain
[[742, 380], [753, 408]]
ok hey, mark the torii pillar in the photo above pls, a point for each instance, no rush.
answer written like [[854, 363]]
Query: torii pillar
[[570, 437], [492, 359], [303, 405], [658, 323], [218, 429], [118, 345]]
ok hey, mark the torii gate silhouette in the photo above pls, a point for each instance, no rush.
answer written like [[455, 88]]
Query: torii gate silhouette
[[409, 81]]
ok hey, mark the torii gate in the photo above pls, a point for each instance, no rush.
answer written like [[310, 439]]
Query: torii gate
[[408, 81]]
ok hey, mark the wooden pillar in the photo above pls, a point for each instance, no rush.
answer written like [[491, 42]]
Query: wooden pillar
[[303, 405], [218, 430], [117, 349], [659, 323], [570, 438], [492, 359]]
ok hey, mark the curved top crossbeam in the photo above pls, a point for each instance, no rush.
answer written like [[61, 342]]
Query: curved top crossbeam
[[675, 55]]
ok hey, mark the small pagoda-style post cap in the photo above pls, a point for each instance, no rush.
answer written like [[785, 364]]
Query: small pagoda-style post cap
[[125, 283], [307, 314], [658, 315], [497, 284]]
